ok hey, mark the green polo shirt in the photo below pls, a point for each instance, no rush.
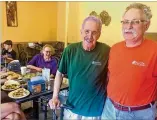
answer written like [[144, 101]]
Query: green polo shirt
[[86, 72]]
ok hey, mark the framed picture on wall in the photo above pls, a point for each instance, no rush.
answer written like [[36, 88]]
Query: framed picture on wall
[[11, 13]]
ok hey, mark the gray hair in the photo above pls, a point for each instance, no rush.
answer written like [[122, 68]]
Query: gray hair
[[93, 18], [146, 10]]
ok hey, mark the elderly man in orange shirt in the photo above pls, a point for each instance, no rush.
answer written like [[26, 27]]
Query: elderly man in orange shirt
[[132, 85]]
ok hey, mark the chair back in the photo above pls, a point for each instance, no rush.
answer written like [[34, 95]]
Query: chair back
[[23, 58], [20, 48]]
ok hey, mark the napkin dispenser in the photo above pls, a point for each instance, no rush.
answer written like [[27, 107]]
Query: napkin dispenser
[[36, 85]]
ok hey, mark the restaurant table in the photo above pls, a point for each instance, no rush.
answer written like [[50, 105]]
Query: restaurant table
[[34, 98]]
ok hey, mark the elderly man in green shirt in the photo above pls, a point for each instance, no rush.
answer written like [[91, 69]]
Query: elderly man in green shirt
[[85, 64]]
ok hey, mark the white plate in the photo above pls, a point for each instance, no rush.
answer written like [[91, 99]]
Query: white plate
[[10, 82], [25, 93]]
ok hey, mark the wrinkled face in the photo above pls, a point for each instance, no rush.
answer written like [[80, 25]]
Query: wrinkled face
[[47, 52], [90, 34], [6, 47], [134, 25]]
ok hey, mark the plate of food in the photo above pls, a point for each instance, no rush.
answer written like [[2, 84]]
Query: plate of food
[[3, 75], [13, 75], [29, 75], [19, 93], [10, 85]]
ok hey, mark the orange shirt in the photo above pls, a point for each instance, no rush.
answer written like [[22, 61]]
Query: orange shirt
[[133, 73]]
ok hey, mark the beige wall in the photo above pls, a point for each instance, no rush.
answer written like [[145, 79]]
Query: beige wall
[[46, 21], [61, 13], [112, 33], [37, 21], [69, 10], [73, 22]]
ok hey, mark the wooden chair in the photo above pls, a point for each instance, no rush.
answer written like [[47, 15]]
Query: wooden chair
[[59, 47], [23, 58], [20, 48]]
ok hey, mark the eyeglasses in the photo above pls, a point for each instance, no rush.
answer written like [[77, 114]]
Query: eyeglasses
[[132, 22]]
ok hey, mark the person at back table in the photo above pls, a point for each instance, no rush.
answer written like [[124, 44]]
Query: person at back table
[[44, 60], [7, 52], [85, 64], [132, 86]]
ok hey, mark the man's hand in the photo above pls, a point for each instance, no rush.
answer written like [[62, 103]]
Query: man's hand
[[5, 56], [52, 76], [9, 59], [54, 103], [13, 116]]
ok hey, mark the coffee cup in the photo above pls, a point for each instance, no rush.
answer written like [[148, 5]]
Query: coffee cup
[[23, 70]]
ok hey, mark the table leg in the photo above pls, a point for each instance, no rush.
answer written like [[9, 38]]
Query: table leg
[[35, 109]]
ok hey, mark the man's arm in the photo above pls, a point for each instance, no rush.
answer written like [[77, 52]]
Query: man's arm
[[34, 68], [6, 109], [32, 63], [11, 56], [9, 108], [55, 102], [57, 84], [9, 59], [64, 62]]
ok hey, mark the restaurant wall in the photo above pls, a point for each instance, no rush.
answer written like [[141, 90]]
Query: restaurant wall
[[68, 11], [73, 20], [37, 21], [112, 33], [45, 21], [61, 13]]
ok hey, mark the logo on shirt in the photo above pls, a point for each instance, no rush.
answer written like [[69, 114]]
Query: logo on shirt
[[138, 63], [96, 63]]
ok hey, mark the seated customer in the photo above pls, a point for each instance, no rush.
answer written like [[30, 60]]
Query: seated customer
[[7, 51], [44, 60], [11, 111]]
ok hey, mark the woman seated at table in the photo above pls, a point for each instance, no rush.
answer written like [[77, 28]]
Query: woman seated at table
[[44, 60]]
